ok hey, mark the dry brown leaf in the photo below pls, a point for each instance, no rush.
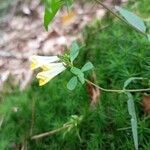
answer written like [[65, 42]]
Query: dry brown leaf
[[146, 104], [94, 93]]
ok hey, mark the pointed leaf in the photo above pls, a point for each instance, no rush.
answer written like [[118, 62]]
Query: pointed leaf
[[51, 8], [132, 19]]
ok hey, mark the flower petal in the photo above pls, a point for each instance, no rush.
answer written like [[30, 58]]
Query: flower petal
[[38, 61], [51, 66], [46, 76]]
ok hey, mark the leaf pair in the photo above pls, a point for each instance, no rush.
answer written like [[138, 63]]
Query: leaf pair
[[79, 75]]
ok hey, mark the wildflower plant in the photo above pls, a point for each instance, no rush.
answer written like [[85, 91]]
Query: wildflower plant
[[51, 66], [52, 69], [67, 61]]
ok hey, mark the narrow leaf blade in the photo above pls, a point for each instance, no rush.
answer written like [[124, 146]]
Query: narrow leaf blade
[[127, 82], [51, 8], [131, 110], [132, 19]]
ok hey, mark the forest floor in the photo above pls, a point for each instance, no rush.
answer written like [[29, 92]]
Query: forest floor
[[117, 53]]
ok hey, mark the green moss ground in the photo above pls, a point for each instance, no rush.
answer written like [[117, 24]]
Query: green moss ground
[[117, 53]]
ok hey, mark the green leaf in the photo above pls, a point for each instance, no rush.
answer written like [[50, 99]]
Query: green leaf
[[132, 19], [127, 82], [51, 8], [87, 66], [74, 51], [131, 110], [75, 70], [78, 73], [72, 83], [81, 78]]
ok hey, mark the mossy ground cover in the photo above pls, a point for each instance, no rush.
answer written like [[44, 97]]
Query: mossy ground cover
[[117, 53]]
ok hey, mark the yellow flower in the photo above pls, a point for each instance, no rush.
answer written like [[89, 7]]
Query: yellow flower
[[38, 61], [50, 71], [50, 68]]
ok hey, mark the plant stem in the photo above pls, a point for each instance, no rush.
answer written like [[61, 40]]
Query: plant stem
[[49, 133], [117, 91], [120, 18]]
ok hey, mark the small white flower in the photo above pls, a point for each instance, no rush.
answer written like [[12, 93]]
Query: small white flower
[[38, 61]]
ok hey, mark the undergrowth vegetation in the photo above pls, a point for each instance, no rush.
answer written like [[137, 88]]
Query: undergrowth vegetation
[[117, 53]]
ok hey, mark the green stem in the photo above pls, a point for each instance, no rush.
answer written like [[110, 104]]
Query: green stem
[[117, 91], [120, 18]]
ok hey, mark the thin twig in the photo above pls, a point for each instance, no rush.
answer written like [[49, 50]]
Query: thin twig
[[49, 133], [120, 18], [118, 91]]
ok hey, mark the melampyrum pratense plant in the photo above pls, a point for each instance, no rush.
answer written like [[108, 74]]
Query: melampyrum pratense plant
[[54, 65]]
